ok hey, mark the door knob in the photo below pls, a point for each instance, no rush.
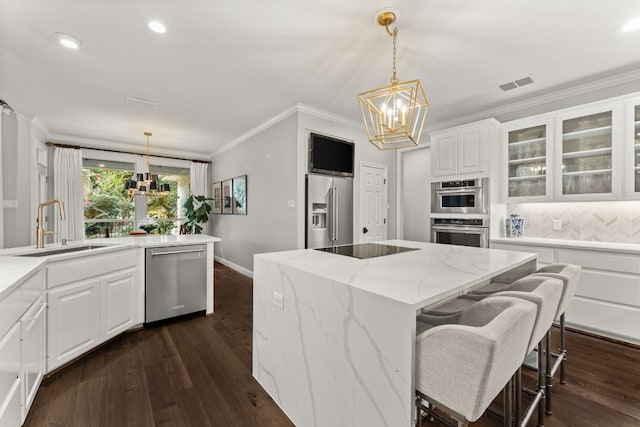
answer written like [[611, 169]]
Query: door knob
[[365, 230]]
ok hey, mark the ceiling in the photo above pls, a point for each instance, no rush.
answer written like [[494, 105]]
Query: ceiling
[[223, 67]]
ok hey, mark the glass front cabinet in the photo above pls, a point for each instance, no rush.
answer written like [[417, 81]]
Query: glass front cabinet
[[632, 154], [527, 154], [574, 154]]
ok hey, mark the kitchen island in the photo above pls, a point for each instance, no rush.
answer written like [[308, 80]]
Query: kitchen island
[[334, 336]]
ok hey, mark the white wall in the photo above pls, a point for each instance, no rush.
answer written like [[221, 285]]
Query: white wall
[[310, 120], [416, 194], [16, 180], [269, 161], [275, 162]]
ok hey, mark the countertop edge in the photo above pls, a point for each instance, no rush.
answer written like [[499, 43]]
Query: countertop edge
[[632, 248]]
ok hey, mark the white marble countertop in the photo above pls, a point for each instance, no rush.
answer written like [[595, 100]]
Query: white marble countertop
[[14, 267], [633, 248], [417, 278]]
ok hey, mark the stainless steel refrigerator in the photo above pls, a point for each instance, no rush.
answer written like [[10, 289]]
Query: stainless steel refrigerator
[[329, 211]]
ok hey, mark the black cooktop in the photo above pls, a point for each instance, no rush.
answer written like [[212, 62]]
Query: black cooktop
[[366, 250]]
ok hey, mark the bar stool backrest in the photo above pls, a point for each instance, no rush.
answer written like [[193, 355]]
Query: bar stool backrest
[[545, 293], [464, 366], [569, 274]]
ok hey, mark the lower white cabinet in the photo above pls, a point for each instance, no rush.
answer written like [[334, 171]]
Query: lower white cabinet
[[117, 303], [10, 381], [74, 321], [32, 332], [86, 313], [22, 348], [607, 301]]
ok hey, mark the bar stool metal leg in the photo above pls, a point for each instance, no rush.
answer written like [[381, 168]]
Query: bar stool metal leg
[[507, 404], [548, 373], [563, 351], [541, 388], [518, 396]]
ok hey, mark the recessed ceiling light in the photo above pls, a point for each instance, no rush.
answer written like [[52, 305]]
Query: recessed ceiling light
[[630, 25], [158, 27], [67, 40]]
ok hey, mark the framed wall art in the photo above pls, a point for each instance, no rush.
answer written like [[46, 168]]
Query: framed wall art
[[240, 195], [217, 198], [227, 196]]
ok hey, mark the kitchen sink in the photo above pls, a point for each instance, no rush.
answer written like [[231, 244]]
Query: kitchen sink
[[59, 251]]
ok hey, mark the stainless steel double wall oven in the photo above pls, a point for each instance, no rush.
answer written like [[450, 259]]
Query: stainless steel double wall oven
[[466, 205]]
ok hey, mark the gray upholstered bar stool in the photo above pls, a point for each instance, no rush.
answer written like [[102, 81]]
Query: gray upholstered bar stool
[[569, 274], [463, 363], [545, 293]]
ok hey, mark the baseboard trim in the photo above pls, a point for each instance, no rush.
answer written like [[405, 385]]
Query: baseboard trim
[[234, 266]]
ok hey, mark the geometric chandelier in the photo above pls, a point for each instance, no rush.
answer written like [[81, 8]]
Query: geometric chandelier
[[146, 183], [394, 115]]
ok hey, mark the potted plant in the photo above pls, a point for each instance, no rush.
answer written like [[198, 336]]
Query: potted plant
[[197, 211]]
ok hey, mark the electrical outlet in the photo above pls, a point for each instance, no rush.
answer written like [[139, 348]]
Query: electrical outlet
[[12, 204], [278, 300], [557, 224]]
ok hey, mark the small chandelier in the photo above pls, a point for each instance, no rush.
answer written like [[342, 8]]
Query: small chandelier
[[393, 115], [146, 183]]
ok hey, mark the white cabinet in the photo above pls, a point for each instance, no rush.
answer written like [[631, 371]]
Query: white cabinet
[[632, 149], [21, 342], [10, 381], [588, 152], [607, 301], [526, 150], [91, 299], [577, 154], [74, 321], [32, 332], [463, 150], [117, 303]]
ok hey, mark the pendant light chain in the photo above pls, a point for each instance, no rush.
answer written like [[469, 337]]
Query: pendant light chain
[[394, 79]]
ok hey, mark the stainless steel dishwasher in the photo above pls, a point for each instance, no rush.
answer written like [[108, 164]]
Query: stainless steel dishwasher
[[176, 281]]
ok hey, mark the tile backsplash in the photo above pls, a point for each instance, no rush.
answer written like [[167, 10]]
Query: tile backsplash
[[596, 221]]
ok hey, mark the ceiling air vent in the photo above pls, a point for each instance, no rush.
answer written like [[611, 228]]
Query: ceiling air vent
[[516, 84]]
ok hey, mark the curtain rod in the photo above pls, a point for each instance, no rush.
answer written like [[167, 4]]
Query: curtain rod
[[78, 147]]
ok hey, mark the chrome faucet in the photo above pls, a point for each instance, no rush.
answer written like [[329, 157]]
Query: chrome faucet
[[40, 231]]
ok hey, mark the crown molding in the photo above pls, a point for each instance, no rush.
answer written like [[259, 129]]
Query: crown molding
[[298, 108], [40, 126], [115, 145], [307, 109], [256, 130], [536, 101]]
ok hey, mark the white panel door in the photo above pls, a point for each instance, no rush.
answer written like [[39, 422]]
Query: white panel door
[[445, 154], [117, 303], [373, 202], [33, 328], [73, 320], [471, 150]]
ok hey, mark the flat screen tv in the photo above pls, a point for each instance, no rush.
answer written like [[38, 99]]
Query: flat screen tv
[[330, 156]]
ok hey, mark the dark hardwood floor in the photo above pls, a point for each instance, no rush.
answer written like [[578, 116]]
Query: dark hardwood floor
[[197, 372]]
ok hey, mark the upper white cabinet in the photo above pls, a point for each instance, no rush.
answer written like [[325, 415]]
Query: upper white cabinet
[[632, 152], [527, 159], [587, 151], [578, 154], [463, 150]]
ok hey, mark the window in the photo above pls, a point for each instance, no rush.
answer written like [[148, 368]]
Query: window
[[168, 210], [108, 209], [110, 212]]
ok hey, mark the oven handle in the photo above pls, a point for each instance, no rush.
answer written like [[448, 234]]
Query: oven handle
[[459, 190], [463, 230]]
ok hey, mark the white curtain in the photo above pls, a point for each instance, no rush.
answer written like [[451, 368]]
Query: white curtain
[[198, 184], [67, 186]]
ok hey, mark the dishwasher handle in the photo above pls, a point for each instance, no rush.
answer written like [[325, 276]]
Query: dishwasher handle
[[186, 251]]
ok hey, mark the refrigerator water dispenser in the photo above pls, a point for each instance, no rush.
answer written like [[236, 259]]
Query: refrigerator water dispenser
[[319, 215]]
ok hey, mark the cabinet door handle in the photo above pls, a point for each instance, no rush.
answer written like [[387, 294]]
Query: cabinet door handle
[[42, 307]]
